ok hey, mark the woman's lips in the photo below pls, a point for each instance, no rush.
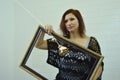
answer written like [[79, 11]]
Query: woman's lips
[[69, 28]]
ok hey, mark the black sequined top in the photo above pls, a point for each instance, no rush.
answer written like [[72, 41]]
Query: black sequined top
[[74, 65]]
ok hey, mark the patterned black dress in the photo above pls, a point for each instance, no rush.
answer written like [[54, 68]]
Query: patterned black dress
[[74, 65]]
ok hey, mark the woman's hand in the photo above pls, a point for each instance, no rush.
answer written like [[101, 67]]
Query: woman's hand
[[48, 29], [41, 43]]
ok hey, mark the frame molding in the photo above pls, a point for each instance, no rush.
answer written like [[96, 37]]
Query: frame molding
[[37, 75]]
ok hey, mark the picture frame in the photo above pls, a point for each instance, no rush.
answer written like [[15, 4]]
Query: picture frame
[[97, 57]]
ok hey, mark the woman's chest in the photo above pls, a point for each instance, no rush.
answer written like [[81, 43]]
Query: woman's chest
[[81, 42]]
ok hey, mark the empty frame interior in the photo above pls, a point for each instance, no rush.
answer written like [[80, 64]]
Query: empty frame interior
[[40, 74]]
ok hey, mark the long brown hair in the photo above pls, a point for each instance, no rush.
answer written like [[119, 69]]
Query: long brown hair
[[80, 20]]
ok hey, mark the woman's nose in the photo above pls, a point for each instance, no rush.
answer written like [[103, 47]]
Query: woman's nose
[[69, 22]]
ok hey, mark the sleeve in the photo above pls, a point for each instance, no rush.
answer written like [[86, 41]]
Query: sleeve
[[94, 45], [53, 53]]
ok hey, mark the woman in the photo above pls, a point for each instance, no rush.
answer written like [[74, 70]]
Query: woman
[[71, 67]]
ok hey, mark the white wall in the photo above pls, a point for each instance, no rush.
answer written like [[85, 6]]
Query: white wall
[[101, 17], [7, 40]]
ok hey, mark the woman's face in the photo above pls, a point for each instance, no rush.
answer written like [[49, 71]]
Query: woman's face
[[71, 22]]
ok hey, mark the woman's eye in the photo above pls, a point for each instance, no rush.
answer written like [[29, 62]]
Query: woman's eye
[[66, 21], [72, 19]]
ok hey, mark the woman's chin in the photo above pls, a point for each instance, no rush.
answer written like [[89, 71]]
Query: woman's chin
[[71, 30]]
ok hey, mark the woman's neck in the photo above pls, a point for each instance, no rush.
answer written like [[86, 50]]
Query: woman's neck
[[76, 35]]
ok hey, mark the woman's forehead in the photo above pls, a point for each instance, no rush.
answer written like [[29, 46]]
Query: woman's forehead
[[70, 15]]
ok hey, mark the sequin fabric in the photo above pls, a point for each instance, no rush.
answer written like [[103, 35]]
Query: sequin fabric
[[74, 65]]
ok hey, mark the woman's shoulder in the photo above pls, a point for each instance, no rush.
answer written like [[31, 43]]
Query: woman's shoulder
[[94, 45], [93, 39]]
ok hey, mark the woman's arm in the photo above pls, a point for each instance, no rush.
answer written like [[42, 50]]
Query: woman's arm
[[41, 43], [94, 45], [98, 73]]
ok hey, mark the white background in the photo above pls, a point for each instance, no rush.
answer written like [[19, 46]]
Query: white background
[[17, 27]]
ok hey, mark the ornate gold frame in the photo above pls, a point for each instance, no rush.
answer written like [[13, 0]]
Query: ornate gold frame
[[98, 58]]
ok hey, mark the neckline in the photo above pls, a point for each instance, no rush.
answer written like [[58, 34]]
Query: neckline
[[86, 46]]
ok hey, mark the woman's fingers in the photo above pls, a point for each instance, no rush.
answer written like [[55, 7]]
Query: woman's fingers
[[48, 29]]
